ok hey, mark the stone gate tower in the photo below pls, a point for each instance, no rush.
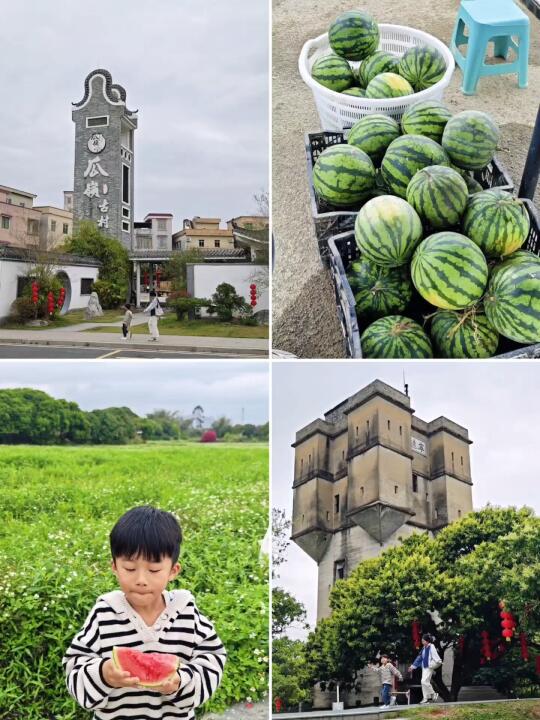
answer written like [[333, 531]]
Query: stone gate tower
[[104, 155], [371, 473]]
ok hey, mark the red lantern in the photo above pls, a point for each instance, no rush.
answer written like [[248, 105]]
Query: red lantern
[[253, 294], [416, 634], [50, 303], [61, 298], [507, 635], [278, 703], [485, 645], [508, 624], [145, 277], [524, 648], [35, 290], [158, 276]]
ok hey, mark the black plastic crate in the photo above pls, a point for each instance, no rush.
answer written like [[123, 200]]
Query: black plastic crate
[[343, 251], [330, 220]]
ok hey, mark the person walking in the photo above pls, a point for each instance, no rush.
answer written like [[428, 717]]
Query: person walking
[[387, 672], [156, 311], [126, 323], [429, 660]]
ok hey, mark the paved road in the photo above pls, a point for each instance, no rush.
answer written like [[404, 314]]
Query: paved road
[[59, 352]]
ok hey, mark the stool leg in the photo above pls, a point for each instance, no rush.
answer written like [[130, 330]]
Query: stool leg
[[473, 62], [502, 45], [523, 58]]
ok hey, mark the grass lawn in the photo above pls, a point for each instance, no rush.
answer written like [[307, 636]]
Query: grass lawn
[[73, 317], [202, 328], [524, 710]]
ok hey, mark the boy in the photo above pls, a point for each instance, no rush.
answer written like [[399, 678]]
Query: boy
[[126, 324], [143, 614], [387, 672]]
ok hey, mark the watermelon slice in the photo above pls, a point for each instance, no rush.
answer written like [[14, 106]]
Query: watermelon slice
[[152, 669]]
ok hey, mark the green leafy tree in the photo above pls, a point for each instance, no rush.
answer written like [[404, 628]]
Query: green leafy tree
[[452, 585], [290, 680], [175, 269], [222, 426], [226, 302], [286, 612]]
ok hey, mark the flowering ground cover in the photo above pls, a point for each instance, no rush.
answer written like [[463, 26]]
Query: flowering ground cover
[[57, 507]]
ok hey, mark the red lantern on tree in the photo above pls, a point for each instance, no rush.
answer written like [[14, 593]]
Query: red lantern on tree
[[35, 291], [145, 278], [253, 294], [524, 648], [50, 303], [416, 634], [278, 703], [61, 298], [158, 277], [508, 624], [485, 645]]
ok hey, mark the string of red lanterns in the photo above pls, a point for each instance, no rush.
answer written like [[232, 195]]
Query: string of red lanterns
[[35, 291], [253, 294], [416, 631]]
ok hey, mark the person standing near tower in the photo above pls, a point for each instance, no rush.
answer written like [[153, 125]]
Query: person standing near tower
[[429, 660], [155, 310]]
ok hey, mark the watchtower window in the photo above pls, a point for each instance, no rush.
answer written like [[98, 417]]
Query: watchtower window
[[362, 491], [327, 515], [396, 488], [388, 423], [400, 431], [357, 431], [436, 514], [367, 427], [459, 513], [462, 461], [336, 503], [309, 461], [343, 454], [415, 483], [301, 466], [339, 570]]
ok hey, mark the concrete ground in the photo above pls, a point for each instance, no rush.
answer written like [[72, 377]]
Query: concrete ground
[[303, 307], [242, 711]]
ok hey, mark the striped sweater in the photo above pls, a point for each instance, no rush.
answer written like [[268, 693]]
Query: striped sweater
[[181, 630]]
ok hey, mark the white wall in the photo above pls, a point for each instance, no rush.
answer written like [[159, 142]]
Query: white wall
[[11, 270], [204, 279]]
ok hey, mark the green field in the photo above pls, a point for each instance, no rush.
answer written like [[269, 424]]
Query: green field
[[57, 507], [169, 325], [525, 710]]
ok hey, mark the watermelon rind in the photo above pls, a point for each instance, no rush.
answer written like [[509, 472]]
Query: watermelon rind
[[512, 300], [427, 117], [449, 271], [395, 337], [387, 230], [333, 72], [378, 290], [377, 63], [497, 222], [137, 663], [373, 134], [439, 195], [388, 85], [354, 91], [343, 175], [470, 139], [422, 66], [463, 335], [354, 35], [405, 156]]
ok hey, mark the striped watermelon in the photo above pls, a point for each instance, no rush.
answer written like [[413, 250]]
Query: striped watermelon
[[439, 195], [387, 230], [333, 72], [373, 134], [354, 35], [355, 91], [449, 271], [463, 335], [473, 186], [427, 117], [512, 300], [516, 258], [422, 66], [470, 139], [379, 290], [343, 175], [388, 85], [395, 336], [405, 156], [380, 62], [497, 222]]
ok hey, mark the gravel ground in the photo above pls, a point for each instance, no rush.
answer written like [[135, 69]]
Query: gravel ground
[[242, 711], [304, 316]]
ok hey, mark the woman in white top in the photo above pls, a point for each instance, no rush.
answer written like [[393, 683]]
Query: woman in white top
[[155, 310]]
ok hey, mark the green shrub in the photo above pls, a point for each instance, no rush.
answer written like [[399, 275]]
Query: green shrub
[[187, 306], [57, 508], [226, 303], [111, 294], [22, 310]]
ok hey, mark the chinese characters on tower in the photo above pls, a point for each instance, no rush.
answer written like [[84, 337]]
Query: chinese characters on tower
[[97, 188]]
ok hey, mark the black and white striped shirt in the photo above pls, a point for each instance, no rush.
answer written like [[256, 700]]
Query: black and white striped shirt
[[181, 630]]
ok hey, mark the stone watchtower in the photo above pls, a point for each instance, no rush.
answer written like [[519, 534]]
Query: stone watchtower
[[370, 474], [104, 153]]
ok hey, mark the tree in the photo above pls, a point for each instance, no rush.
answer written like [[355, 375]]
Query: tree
[[452, 585], [286, 611], [290, 681], [175, 269], [88, 240], [280, 538], [225, 302], [222, 426], [262, 202]]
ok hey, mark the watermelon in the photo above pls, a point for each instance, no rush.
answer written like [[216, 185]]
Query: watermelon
[[395, 336], [405, 156], [515, 258], [439, 195], [463, 335], [379, 290], [373, 134], [388, 85], [387, 230], [422, 66], [470, 138], [428, 117], [355, 91], [497, 222], [449, 271], [152, 669], [343, 175], [333, 72], [512, 300], [354, 35], [380, 62]]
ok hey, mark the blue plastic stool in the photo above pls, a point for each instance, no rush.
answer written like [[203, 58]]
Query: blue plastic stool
[[496, 20]]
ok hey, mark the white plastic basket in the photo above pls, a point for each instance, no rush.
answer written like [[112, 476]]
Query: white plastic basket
[[338, 111]]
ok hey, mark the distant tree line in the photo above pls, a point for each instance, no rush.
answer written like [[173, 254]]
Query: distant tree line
[[32, 417]]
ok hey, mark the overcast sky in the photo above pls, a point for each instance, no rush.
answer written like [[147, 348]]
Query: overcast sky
[[220, 387], [197, 71], [498, 402]]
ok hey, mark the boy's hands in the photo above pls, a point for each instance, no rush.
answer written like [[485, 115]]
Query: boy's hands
[[169, 687], [118, 678]]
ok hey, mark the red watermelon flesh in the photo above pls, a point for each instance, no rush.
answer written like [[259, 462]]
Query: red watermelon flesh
[[152, 669]]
